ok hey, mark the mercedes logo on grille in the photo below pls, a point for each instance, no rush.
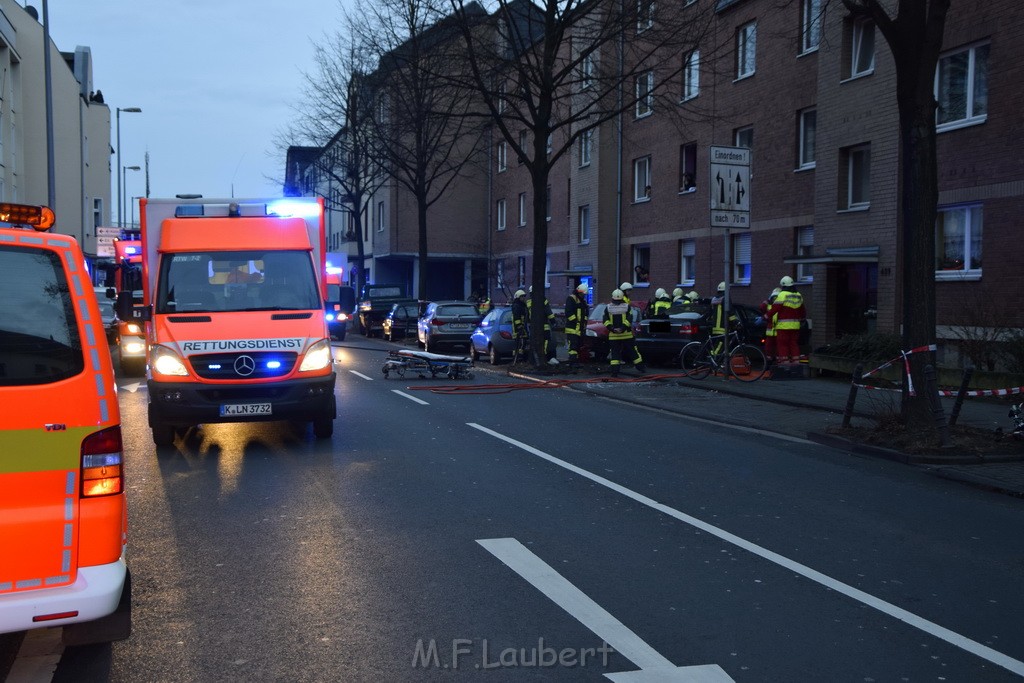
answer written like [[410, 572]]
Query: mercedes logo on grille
[[245, 365]]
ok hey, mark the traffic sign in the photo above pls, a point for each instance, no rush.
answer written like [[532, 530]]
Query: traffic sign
[[730, 187]]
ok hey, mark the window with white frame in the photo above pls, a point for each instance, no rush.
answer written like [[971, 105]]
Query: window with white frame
[[644, 94], [547, 269], [691, 75], [808, 135], [961, 87], [641, 265], [522, 209], [810, 25], [550, 142], [586, 146], [804, 247], [958, 242], [862, 56], [687, 262], [547, 203], [500, 273], [500, 212], [642, 179], [587, 71], [584, 223], [521, 270], [857, 176], [500, 101], [97, 212], [644, 15], [522, 144], [746, 44], [688, 167], [380, 216], [744, 137], [741, 259], [502, 155]]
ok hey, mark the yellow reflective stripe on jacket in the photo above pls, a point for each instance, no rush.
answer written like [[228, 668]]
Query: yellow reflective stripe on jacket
[[788, 325]]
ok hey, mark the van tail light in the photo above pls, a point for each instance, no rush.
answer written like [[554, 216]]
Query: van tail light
[[102, 463], [689, 330], [435, 321]]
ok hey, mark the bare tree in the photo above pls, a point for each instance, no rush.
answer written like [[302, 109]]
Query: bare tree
[[421, 132], [559, 68], [914, 35]]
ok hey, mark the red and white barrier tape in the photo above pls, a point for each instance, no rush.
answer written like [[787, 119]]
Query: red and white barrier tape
[[986, 392], [906, 366]]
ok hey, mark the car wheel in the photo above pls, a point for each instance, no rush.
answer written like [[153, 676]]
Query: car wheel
[[492, 355], [323, 428], [474, 355], [163, 435], [430, 347]]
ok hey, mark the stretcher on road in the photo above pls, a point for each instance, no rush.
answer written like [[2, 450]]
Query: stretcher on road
[[423, 363]]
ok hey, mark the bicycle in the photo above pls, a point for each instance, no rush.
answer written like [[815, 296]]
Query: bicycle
[[746, 362]]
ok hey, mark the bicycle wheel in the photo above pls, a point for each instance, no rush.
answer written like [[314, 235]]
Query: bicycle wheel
[[695, 361], [747, 363]]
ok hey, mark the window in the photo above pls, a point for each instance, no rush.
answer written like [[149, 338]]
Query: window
[[584, 222], [501, 214], [380, 216], [521, 270], [744, 137], [958, 242], [97, 210], [502, 156], [644, 15], [522, 145], [547, 269], [687, 262], [644, 94], [862, 58], [691, 75], [501, 103], [551, 138], [857, 176], [810, 25], [586, 146], [547, 203], [741, 259], [804, 247], [587, 69], [642, 179], [746, 42], [522, 209], [808, 127], [500, 273], [961, 88], [688, 167], [641, 265]]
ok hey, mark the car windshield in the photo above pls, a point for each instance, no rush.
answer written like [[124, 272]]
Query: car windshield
[[208, 282], [39, 340]]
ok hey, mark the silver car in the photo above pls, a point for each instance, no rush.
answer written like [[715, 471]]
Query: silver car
[[447, 323]]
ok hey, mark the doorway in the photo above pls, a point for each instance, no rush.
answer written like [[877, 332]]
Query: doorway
[[856, 298]]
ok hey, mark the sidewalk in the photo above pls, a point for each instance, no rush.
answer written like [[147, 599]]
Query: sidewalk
[[806, 408]]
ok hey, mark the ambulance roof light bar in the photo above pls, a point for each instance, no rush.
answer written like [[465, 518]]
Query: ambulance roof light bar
[[41, 218], [282, 208]]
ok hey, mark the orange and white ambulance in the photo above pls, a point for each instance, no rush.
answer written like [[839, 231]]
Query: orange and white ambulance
[[63, 515], [233, 293], [131, 338]]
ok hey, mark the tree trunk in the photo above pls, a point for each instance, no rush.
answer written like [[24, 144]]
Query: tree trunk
[[540, 252], [421, 222]]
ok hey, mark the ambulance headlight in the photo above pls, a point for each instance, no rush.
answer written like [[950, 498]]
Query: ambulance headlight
[[317, 357], [166, 362], [133, 328]]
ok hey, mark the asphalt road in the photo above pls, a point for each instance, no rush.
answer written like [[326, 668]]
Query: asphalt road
[[523, 535]]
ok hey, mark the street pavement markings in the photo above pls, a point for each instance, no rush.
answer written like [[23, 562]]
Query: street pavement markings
[[359, 374], [132, 387], [653, 666], [410, 397], [955, 639], [38, 657]]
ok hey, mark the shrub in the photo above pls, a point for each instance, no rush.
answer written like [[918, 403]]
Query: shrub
[[876, 346], [1013, 351]]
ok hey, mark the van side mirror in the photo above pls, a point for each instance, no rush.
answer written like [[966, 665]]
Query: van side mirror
[[111, 293]]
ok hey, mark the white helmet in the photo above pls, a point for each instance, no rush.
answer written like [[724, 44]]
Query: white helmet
[[660, 294], [786, 281], [582, 288], [692, 295], [519, 293], [677, 293], [617, 295], [626, 286], [531, 289], [721, 286]]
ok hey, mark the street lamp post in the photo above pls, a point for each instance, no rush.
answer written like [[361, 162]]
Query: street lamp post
[[123, 178], [120, 209]]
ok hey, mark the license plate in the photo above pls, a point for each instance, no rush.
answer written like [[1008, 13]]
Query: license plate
[[458, 326], [233, 409]]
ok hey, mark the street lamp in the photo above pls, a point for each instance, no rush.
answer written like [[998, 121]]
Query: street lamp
[[120, 178], [120, 209]]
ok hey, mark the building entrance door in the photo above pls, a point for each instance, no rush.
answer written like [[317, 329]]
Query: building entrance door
[[856, 303]]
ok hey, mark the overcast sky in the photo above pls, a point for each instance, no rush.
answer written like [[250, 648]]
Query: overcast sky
[[214, 79]]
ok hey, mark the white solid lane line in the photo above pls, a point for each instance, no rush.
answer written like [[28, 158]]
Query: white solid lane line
[[38, 657], [410, 397], [951, 637], [612, 631], [359, 374]]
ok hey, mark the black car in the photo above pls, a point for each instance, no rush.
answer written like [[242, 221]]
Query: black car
[[662, 339], [400, 321]]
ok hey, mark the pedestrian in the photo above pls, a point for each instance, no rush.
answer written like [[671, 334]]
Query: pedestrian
[[789, 314], [576, 314], [769, 321], [549, 323], [661, 304], [618, 320], [520, 324], [678, 298]]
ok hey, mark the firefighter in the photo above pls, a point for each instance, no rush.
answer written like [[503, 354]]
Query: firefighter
[[520, 323], [483, 304], [624, 288], [661, 304], [549, 323], [718, 318], [576, 313], [769, 321], [620, 333], [789, 316], [678, 298]]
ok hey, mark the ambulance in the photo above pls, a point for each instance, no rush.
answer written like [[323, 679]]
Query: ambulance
[[131, 338], [233, 293], [63, 515]]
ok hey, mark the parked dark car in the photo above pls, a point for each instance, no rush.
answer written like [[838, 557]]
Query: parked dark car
[[493, 336], [400, 322], [662, 339], [594, 346], [447, 323]]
